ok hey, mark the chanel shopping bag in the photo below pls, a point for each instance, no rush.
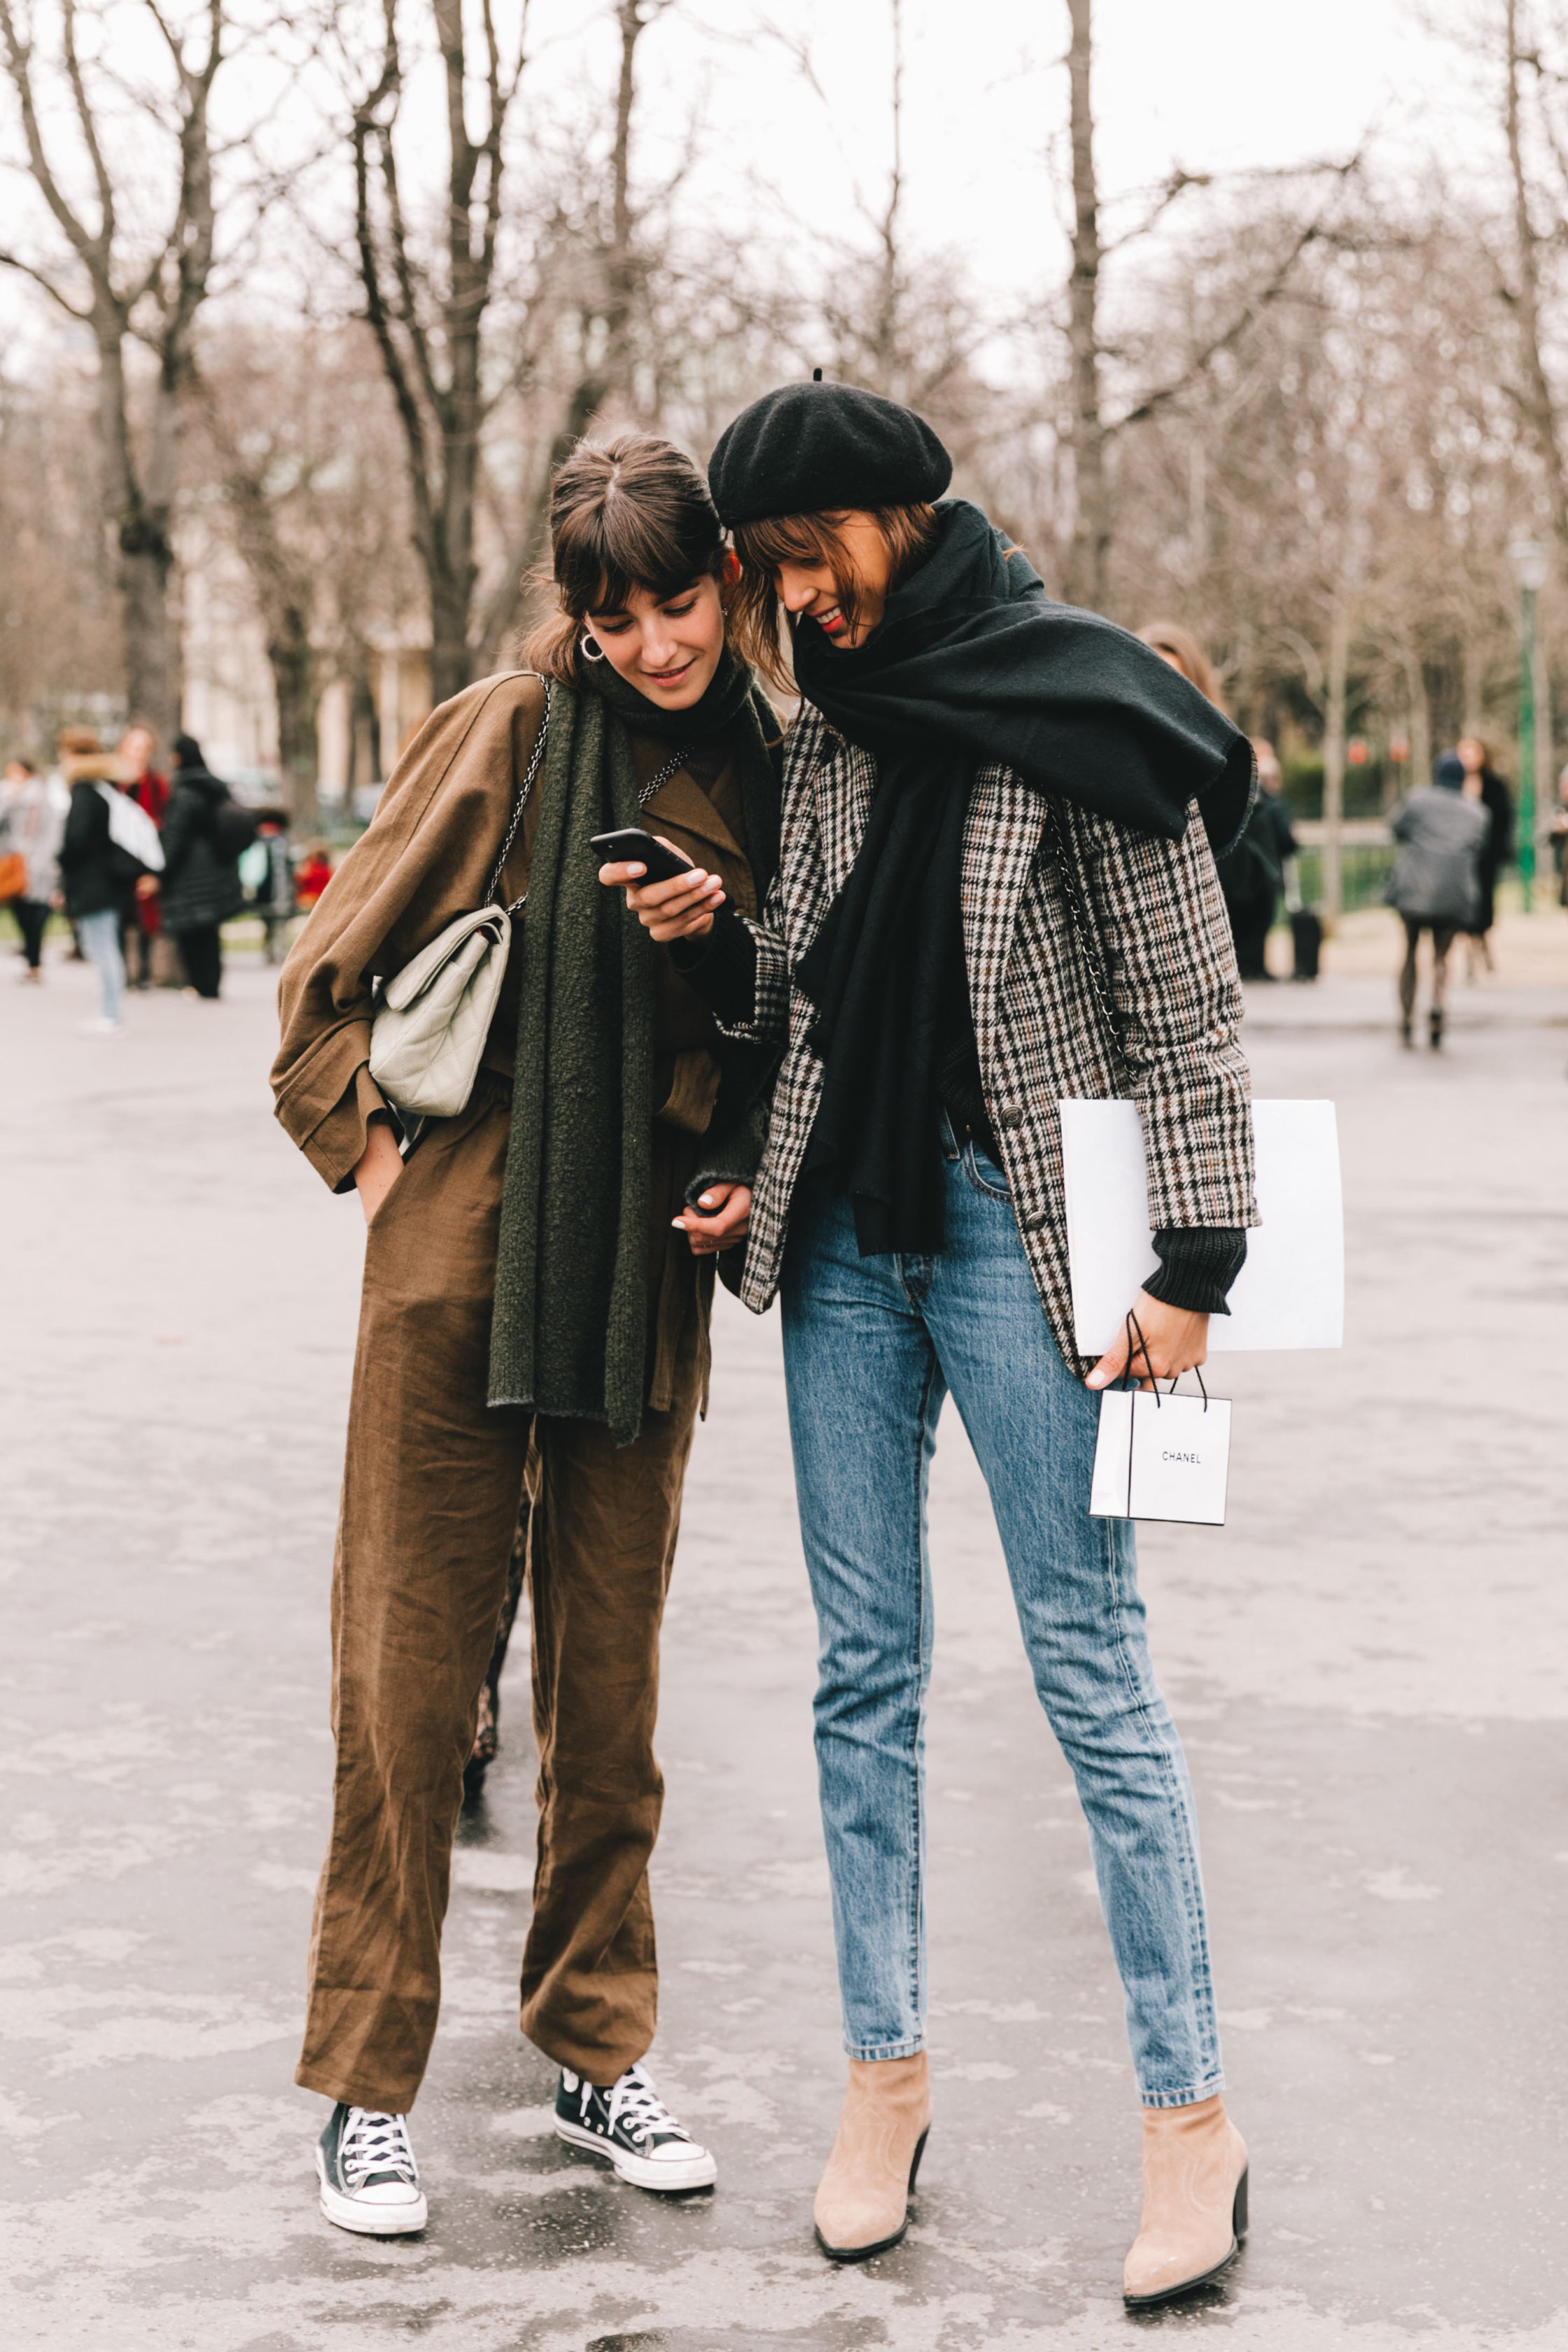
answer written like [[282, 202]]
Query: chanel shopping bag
[[1160, 1456]]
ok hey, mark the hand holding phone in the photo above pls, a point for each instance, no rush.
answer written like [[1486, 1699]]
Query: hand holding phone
[[631, 847], [671, 897]]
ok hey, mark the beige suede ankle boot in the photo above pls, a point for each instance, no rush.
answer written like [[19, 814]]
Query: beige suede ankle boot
[[1195, 2202], [863, 2203]]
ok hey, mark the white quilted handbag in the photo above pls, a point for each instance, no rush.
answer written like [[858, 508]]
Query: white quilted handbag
[[430, 1026]]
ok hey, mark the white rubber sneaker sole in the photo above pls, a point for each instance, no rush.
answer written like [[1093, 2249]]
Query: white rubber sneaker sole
[[365, 2219], [672, 2173]]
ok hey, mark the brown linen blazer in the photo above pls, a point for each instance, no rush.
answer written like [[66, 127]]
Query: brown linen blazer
[[425, 860]]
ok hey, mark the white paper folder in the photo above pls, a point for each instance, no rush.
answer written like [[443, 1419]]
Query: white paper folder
[[1292, 1291]]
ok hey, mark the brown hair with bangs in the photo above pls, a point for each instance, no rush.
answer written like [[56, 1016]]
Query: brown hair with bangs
[[755, 611], [634, 512]]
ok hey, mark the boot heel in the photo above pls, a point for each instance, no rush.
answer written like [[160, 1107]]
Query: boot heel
[[920, 2149], [1238, 2211]]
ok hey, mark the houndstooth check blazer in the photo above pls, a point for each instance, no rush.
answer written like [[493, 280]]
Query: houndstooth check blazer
[[1038, 1024]]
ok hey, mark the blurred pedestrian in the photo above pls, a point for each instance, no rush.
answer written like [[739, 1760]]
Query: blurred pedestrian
[[312, 874], [1436, 882], [1557, 832], [1270, 830], [205, 835], [267, 874], [149, 788], [1251, 871], [31, 825], [100, 870], [1483, 784]]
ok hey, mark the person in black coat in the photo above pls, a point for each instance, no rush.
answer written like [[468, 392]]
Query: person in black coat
[[204, 834], [1251, 871], [1484, 784], [1260, 855]]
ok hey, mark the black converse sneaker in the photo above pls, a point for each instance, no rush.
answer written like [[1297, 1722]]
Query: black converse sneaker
[[630, 2124], [370, 2181]]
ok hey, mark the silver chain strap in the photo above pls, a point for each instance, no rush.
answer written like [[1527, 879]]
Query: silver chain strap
[[525, 793], [1089, 930], [670, 768]]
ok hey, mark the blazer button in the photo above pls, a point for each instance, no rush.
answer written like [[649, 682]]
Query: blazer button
[[1010, 1115]]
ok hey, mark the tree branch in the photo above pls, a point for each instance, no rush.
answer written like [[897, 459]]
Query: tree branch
[[15, 261]]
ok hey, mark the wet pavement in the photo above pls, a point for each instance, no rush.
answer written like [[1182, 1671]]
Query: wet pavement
[[1367, 1663]]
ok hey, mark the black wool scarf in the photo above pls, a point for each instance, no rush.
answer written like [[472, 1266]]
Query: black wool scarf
[[570, 1328], [970, 664]]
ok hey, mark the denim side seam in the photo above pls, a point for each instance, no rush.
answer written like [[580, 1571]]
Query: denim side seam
[[917, 1778], [1202, 1985]]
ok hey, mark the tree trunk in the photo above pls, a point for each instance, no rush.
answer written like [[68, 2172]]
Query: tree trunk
[[364, 724], [1091, 516], [429, 331], [1539, 403], [1338, 681], [620, 272], [293, 660], [139, 534], [504, 611], [1420, 721], [451, 663], [615, 375], [1545, 761]]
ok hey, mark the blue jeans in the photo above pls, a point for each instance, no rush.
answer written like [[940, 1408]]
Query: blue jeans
[[99, 937], [871, 1348]]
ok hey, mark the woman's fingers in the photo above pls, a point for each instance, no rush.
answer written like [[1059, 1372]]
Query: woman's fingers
[[1164, 1341], [682, 908], [720, 1218], [664, 900]]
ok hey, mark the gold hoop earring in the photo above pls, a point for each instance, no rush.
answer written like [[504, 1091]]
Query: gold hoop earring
[[590, 648]]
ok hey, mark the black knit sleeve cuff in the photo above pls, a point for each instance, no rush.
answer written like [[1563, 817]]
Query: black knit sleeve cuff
[[1198, 1266], [722, 969]]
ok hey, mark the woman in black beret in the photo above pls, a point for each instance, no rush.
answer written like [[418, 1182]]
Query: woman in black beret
[[993, 893]]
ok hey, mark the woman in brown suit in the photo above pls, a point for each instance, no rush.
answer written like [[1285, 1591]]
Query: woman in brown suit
[[539, 1272]]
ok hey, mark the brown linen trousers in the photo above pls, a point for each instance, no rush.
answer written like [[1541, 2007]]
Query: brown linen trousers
[[434, 1475]]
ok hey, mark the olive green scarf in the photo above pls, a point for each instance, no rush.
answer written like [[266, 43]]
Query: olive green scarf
[[570, 1331]]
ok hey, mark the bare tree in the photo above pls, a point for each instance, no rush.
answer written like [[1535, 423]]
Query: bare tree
[[449, 365], [1091, 541], [302, 442], [120, 294], [1537, 397], [427, 308], [1089, 432], [595, 275], [59, 642]]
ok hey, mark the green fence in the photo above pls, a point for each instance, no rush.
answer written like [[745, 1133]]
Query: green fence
[[1363, 870]]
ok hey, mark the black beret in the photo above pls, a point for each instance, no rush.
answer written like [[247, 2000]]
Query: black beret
[[809, 447]]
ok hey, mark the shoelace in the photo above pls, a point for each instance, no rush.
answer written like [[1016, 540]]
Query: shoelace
[[634, 2098], [376, 2143]]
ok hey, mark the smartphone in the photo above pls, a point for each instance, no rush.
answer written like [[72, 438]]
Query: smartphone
[[631, 845]]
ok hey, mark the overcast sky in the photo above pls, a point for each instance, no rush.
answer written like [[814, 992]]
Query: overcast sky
[[1210, 84]]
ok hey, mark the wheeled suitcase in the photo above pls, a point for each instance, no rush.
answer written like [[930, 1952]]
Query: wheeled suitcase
[[1307, 933]]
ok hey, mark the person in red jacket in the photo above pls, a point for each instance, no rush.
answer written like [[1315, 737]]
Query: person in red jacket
[[312, 875], [149, 788]]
